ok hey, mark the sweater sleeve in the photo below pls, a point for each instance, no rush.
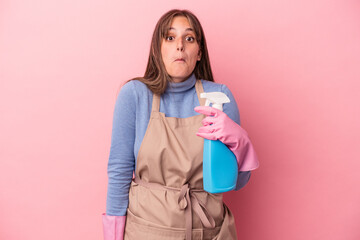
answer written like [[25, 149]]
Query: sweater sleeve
[[231, 109], [121, 158]]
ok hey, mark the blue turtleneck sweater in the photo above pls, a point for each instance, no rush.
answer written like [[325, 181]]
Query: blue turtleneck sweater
[[131, 117]]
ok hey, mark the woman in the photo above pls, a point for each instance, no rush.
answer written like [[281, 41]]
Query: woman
[[158, 135]]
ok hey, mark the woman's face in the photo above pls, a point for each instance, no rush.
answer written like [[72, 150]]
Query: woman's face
[[179, 49]]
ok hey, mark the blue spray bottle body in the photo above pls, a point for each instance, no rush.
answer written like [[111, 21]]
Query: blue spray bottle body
[[220, 168]]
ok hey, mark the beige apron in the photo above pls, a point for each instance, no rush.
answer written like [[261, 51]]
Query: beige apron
[[166, 199]]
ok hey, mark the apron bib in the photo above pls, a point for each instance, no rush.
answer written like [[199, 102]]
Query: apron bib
[[166, 198]]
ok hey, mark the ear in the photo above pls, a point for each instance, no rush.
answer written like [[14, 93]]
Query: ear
[[199, 55]]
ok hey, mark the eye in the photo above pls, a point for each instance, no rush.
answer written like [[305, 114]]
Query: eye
[[190, 39], [169, 38]]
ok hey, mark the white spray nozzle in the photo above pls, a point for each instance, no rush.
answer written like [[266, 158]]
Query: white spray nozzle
[[216, 98]]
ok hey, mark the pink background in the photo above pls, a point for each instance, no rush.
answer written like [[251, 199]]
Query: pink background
[[293, 66]]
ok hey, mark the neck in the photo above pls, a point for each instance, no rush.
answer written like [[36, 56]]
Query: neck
[[182, 86]]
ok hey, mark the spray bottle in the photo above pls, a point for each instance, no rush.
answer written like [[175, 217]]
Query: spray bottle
[[220, 167]]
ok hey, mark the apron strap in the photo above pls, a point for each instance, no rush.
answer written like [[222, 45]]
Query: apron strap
[[187, 202], [156, 103], [199, 89]]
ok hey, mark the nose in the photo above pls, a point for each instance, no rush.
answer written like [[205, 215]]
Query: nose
[[180, 45]]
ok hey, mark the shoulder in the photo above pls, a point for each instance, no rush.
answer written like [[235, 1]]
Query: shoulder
[[138, 85], [134, 88], [210, 86], [231, 109]]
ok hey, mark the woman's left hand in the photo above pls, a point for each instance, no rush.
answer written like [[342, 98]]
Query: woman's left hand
[[218, 126]]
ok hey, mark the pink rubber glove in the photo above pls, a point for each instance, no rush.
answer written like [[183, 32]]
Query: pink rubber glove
[[230, 133], [113, 227]]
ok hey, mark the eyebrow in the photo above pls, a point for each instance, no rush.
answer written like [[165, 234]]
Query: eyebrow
[[188, 29]]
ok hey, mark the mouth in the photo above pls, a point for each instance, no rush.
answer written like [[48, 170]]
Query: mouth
[[180, 60]]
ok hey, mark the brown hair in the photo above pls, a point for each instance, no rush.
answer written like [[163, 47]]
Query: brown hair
[[156, 76]]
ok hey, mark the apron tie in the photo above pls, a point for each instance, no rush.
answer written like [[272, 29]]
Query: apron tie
[[186, 199], [187, 202], [183, 201]]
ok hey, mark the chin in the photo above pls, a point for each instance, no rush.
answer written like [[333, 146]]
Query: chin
[[180, 75]]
